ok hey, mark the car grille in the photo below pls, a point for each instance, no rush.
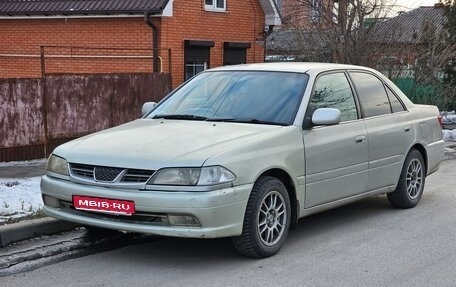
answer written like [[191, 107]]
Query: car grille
[[110, 174]]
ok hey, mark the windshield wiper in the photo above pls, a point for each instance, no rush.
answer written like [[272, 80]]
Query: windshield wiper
[[247, 120], [201, 118], [180, 117]]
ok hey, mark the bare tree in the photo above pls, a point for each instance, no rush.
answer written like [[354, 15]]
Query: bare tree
[[343, 33], [357, 32]]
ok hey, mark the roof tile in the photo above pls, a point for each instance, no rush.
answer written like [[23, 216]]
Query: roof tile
[[79, 7]]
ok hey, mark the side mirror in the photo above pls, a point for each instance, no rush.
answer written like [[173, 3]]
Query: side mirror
[[326, 117], [147, 107]]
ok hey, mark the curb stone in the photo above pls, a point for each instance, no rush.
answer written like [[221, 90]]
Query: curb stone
[[31, 228]]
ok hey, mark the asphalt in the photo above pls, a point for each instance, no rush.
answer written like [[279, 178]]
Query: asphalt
[[22, 230], [44, 226]]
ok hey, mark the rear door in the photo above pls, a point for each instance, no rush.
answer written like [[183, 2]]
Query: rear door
[[390, 132], [336, 156]]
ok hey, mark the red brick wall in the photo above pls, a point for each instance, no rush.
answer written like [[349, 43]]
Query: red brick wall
[[26, 36], [297, 13], [242, 22]]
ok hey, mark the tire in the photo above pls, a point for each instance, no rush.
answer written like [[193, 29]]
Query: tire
[[411, 183], [266, 221]]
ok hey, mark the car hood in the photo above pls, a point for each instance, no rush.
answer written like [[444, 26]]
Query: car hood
[[153, 144]]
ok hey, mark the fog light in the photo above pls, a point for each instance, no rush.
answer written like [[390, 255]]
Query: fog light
[[51, 201], [183, 220]]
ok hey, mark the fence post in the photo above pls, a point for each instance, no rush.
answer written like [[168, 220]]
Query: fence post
[[44, 101]]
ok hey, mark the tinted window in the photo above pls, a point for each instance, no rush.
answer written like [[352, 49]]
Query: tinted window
[[372, 94], [333, 91], [396, 105], [238, 95]]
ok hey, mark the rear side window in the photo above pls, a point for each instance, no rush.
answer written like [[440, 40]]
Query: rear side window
[[396, 105], [372, 94], [333, 91]]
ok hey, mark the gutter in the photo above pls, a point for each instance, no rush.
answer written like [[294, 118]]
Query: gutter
[[155, 46]]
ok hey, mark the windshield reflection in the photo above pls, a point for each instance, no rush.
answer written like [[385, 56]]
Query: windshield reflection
[[242, 96]]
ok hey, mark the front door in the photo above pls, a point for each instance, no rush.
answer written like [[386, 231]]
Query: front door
[[336, 156]]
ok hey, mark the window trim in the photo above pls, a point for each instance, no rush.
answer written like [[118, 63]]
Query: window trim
[[213, 7]]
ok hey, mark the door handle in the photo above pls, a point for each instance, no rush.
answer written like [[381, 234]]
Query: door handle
[[360, 139], [407, 128]]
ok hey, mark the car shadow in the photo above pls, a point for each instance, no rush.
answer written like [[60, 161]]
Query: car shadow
[[186, 252]]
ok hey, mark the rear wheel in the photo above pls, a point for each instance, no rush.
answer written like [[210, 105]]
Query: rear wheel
[[266, 221], [411, 183]]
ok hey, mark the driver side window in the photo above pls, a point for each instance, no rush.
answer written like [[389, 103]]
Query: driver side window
[[334, 91]]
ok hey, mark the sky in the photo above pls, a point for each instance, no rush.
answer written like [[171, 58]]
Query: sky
[[409, 4], [406, 5]]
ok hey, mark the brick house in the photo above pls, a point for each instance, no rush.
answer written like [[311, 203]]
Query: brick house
[[303, 14], [182, 37], [402, 37]]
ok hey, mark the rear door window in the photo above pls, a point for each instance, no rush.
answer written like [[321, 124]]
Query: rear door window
[[396, 105], [372, 95]]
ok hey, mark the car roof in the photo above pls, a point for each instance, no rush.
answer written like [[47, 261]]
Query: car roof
[[297, 67]]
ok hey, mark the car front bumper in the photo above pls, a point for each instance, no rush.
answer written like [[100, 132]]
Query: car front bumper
[[220, 212]]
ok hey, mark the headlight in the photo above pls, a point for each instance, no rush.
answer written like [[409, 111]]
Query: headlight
[[176, 176], [215, 175], [211, 175], [57, 165]]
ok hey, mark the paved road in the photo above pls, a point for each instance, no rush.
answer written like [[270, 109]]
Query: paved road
[[364, 244]]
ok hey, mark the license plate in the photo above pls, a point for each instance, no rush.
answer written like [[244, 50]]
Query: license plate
[[105, 205]]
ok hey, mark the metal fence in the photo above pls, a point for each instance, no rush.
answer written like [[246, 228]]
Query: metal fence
[[72, 59], [36, 115]]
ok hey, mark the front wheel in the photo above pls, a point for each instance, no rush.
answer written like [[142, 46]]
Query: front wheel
[[266, 221], [411, 182]]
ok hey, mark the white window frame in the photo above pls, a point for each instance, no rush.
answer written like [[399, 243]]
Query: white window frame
[[194, 65], [213, 6]]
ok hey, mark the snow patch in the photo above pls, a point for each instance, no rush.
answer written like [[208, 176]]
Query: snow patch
[[19, 197], [449, 135], [34, 162]]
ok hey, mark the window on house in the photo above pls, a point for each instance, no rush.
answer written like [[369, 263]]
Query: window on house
[[235, 53], [192, 68], [315, 10], [197, 57], [217, 5]]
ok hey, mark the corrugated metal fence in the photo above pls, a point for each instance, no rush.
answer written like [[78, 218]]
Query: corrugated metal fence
[[36, 115]]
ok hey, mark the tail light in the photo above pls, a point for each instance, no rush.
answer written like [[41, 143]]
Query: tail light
[[439, 118]]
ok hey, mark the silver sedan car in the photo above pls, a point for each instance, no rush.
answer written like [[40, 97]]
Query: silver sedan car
[[245, 151]]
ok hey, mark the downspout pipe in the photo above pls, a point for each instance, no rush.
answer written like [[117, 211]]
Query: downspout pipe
[[154, 28]]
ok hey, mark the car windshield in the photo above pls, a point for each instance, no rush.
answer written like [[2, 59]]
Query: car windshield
[[237, 96]]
